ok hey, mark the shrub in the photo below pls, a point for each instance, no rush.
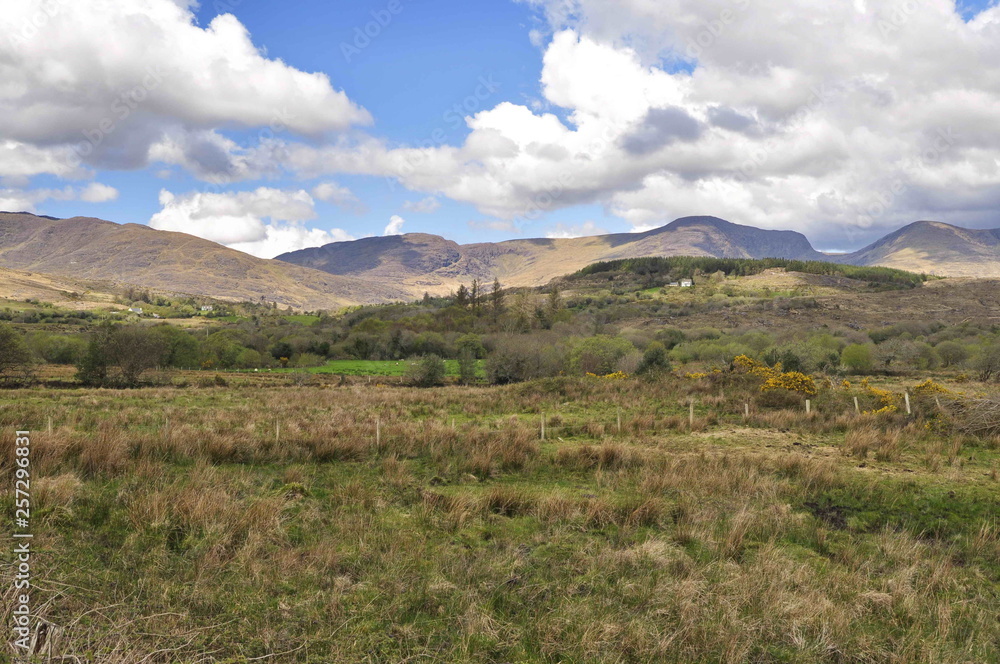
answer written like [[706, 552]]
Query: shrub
[[857, 358], [599, 355], [988, 362], [466, 366], [120, 356], [15, 358], [60, 349], [427, 371], [952, 353], [786, 358], [792, 381], [654, 360], [518, 359]]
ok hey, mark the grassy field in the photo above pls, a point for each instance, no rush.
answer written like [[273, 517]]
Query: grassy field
[[363, 523], [376, 368]]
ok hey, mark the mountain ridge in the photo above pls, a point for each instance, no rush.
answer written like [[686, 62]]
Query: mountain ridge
[[403, 267], [430, 263], [934, 247], [95, 249]]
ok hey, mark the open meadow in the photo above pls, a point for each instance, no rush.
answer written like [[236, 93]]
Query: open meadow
[[281, 521]]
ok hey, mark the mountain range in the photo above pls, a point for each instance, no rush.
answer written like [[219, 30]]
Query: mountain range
[[404, 267], [133, 254]]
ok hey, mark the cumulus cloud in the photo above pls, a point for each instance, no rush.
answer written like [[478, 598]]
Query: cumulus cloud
[[498, 225], [342, 197], [660, 128], [427, 205], [28, 200], [95, 192], [846, 120], [395, 226], [264, 222], [158, 92], [564, 231]]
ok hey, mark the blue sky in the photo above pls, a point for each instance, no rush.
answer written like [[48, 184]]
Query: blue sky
[[606, 118], [418, 76]]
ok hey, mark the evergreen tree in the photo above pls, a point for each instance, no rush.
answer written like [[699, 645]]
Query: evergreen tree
[[496, 298], [474, 295], [462, 296]]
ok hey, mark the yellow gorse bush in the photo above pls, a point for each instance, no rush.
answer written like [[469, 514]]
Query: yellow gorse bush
[[793, 381], [929, 387], [618, 375], [752, 367], [886, 399]]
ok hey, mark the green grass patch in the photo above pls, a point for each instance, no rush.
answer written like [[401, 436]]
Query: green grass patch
[[377, 368]]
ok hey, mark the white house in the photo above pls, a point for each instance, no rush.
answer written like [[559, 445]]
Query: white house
[[687, 283], [208, 307], [136, 310]]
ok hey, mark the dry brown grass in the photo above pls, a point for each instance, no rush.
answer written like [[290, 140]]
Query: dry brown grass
[[245, 523]]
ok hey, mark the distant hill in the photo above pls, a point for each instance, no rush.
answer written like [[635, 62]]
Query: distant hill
[[384, 269], [418, 262], [92, 249], [933, 247]]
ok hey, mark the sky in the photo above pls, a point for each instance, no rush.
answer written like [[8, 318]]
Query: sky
[[273, 127]]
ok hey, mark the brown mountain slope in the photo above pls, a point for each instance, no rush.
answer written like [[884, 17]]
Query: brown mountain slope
[[85, 248], [419, 262], [933, 247], [64, 292]]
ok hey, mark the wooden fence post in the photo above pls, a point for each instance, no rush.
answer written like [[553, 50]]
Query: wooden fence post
[[906, 395], [619, 420], [543, 425], [746, 410], [808, 406], [378, 432], [857, 406], [691, 414]]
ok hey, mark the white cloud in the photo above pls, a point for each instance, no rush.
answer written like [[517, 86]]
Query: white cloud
[[342, 197], [19, 159], [237, 219], [832, 124], [427, 205], [95, 192], [28, 200], [395, 226], [581, 230], [128, 82], [498, 225]]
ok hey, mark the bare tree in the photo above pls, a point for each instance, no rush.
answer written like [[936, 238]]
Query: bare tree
[[16, 364]]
